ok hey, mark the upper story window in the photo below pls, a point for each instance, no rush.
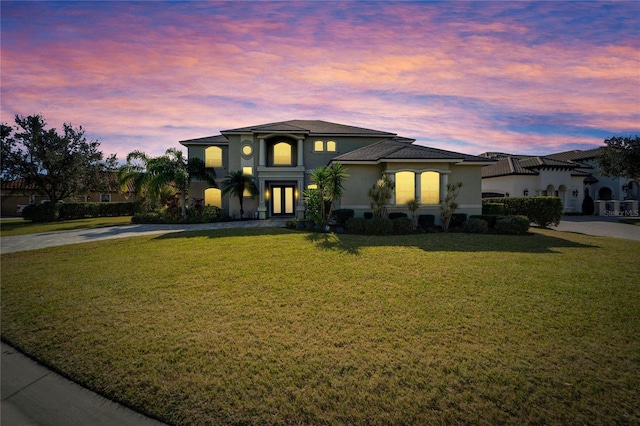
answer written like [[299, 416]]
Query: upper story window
[[405, 187], [430, 188], [282, 154], [213, 157], [322, 146], [247, 150]]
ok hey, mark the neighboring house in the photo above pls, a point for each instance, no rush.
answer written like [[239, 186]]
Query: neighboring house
[[280, 156], [570, 175], [16, 194]]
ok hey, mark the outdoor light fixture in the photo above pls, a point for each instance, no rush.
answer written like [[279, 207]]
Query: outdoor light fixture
[[526, 192], [625, 187], [575, 193]]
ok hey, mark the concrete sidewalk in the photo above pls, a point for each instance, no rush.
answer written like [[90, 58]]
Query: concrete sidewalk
[[32, 395]]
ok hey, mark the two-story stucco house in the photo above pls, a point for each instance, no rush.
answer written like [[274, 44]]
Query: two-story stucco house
[[280, 157]]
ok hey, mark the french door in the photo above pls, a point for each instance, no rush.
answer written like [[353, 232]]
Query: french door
[[282, 200]]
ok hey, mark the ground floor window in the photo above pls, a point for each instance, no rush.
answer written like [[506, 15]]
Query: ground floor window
[[213, 197], [430, 188], [105, 198], [405, 187]]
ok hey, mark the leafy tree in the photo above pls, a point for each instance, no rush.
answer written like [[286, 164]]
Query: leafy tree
[[621, 157], [58, 165], [236, 183], [153, 174], [329, 181], [380, 194], [449, 205]]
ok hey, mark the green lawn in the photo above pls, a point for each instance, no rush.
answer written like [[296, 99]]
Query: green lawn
[[271, 326], [20, 226]]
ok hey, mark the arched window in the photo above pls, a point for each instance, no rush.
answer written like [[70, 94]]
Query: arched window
[[213, 157], [213, 197], [405, 187], [318, 146], [430, 188], [282, 154], [331, 146]]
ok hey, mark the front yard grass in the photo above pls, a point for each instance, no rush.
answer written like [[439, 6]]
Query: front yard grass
[[271, 326], [19, 226]]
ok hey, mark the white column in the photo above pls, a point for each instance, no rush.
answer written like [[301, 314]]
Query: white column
[[300, 152], [263, 153], [418, 194]]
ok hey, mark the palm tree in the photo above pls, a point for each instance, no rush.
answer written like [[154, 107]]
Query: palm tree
[[328, 180], [152, 174], [236, 183]]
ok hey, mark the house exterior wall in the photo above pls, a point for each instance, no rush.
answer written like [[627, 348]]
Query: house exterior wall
[[273, 180]]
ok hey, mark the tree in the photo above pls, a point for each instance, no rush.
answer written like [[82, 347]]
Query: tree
[[449, 205], [329, 188], [153, 174], [236, 183], [59, 166], [621, 157], [380, 194]]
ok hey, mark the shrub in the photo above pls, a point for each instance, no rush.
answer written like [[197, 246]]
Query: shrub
[[476, 226], [543, 211], [402, 225], [368, 215], [426, 221], [588, 206], [211, 214], [45, 212], [489, 218], [149, 217], [357, 225], [458, 220], [342, 216], [397, 215], [489, 208], [512, 225], [379, 226]]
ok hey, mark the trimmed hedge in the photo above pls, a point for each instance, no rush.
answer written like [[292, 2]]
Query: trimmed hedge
[[543, 211], [512, 225], [476, 226], [397, 215], [342, 216], [49, 212], [379, 226], [426, 221], [356, 225], [402, 225], [489, 218]]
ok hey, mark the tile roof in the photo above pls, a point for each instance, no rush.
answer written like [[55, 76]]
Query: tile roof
[[207, 140], [403, 149], [577, 155], [524, 165], [318, 127]]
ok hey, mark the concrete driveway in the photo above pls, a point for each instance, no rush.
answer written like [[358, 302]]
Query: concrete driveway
[[601, 226]]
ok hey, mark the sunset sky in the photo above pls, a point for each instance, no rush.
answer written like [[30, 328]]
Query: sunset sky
[[518, 77]]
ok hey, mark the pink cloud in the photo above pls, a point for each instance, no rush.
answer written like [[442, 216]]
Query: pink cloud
[[436, 71]]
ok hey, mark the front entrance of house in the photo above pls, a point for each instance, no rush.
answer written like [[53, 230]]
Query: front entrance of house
[[283, 200]]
